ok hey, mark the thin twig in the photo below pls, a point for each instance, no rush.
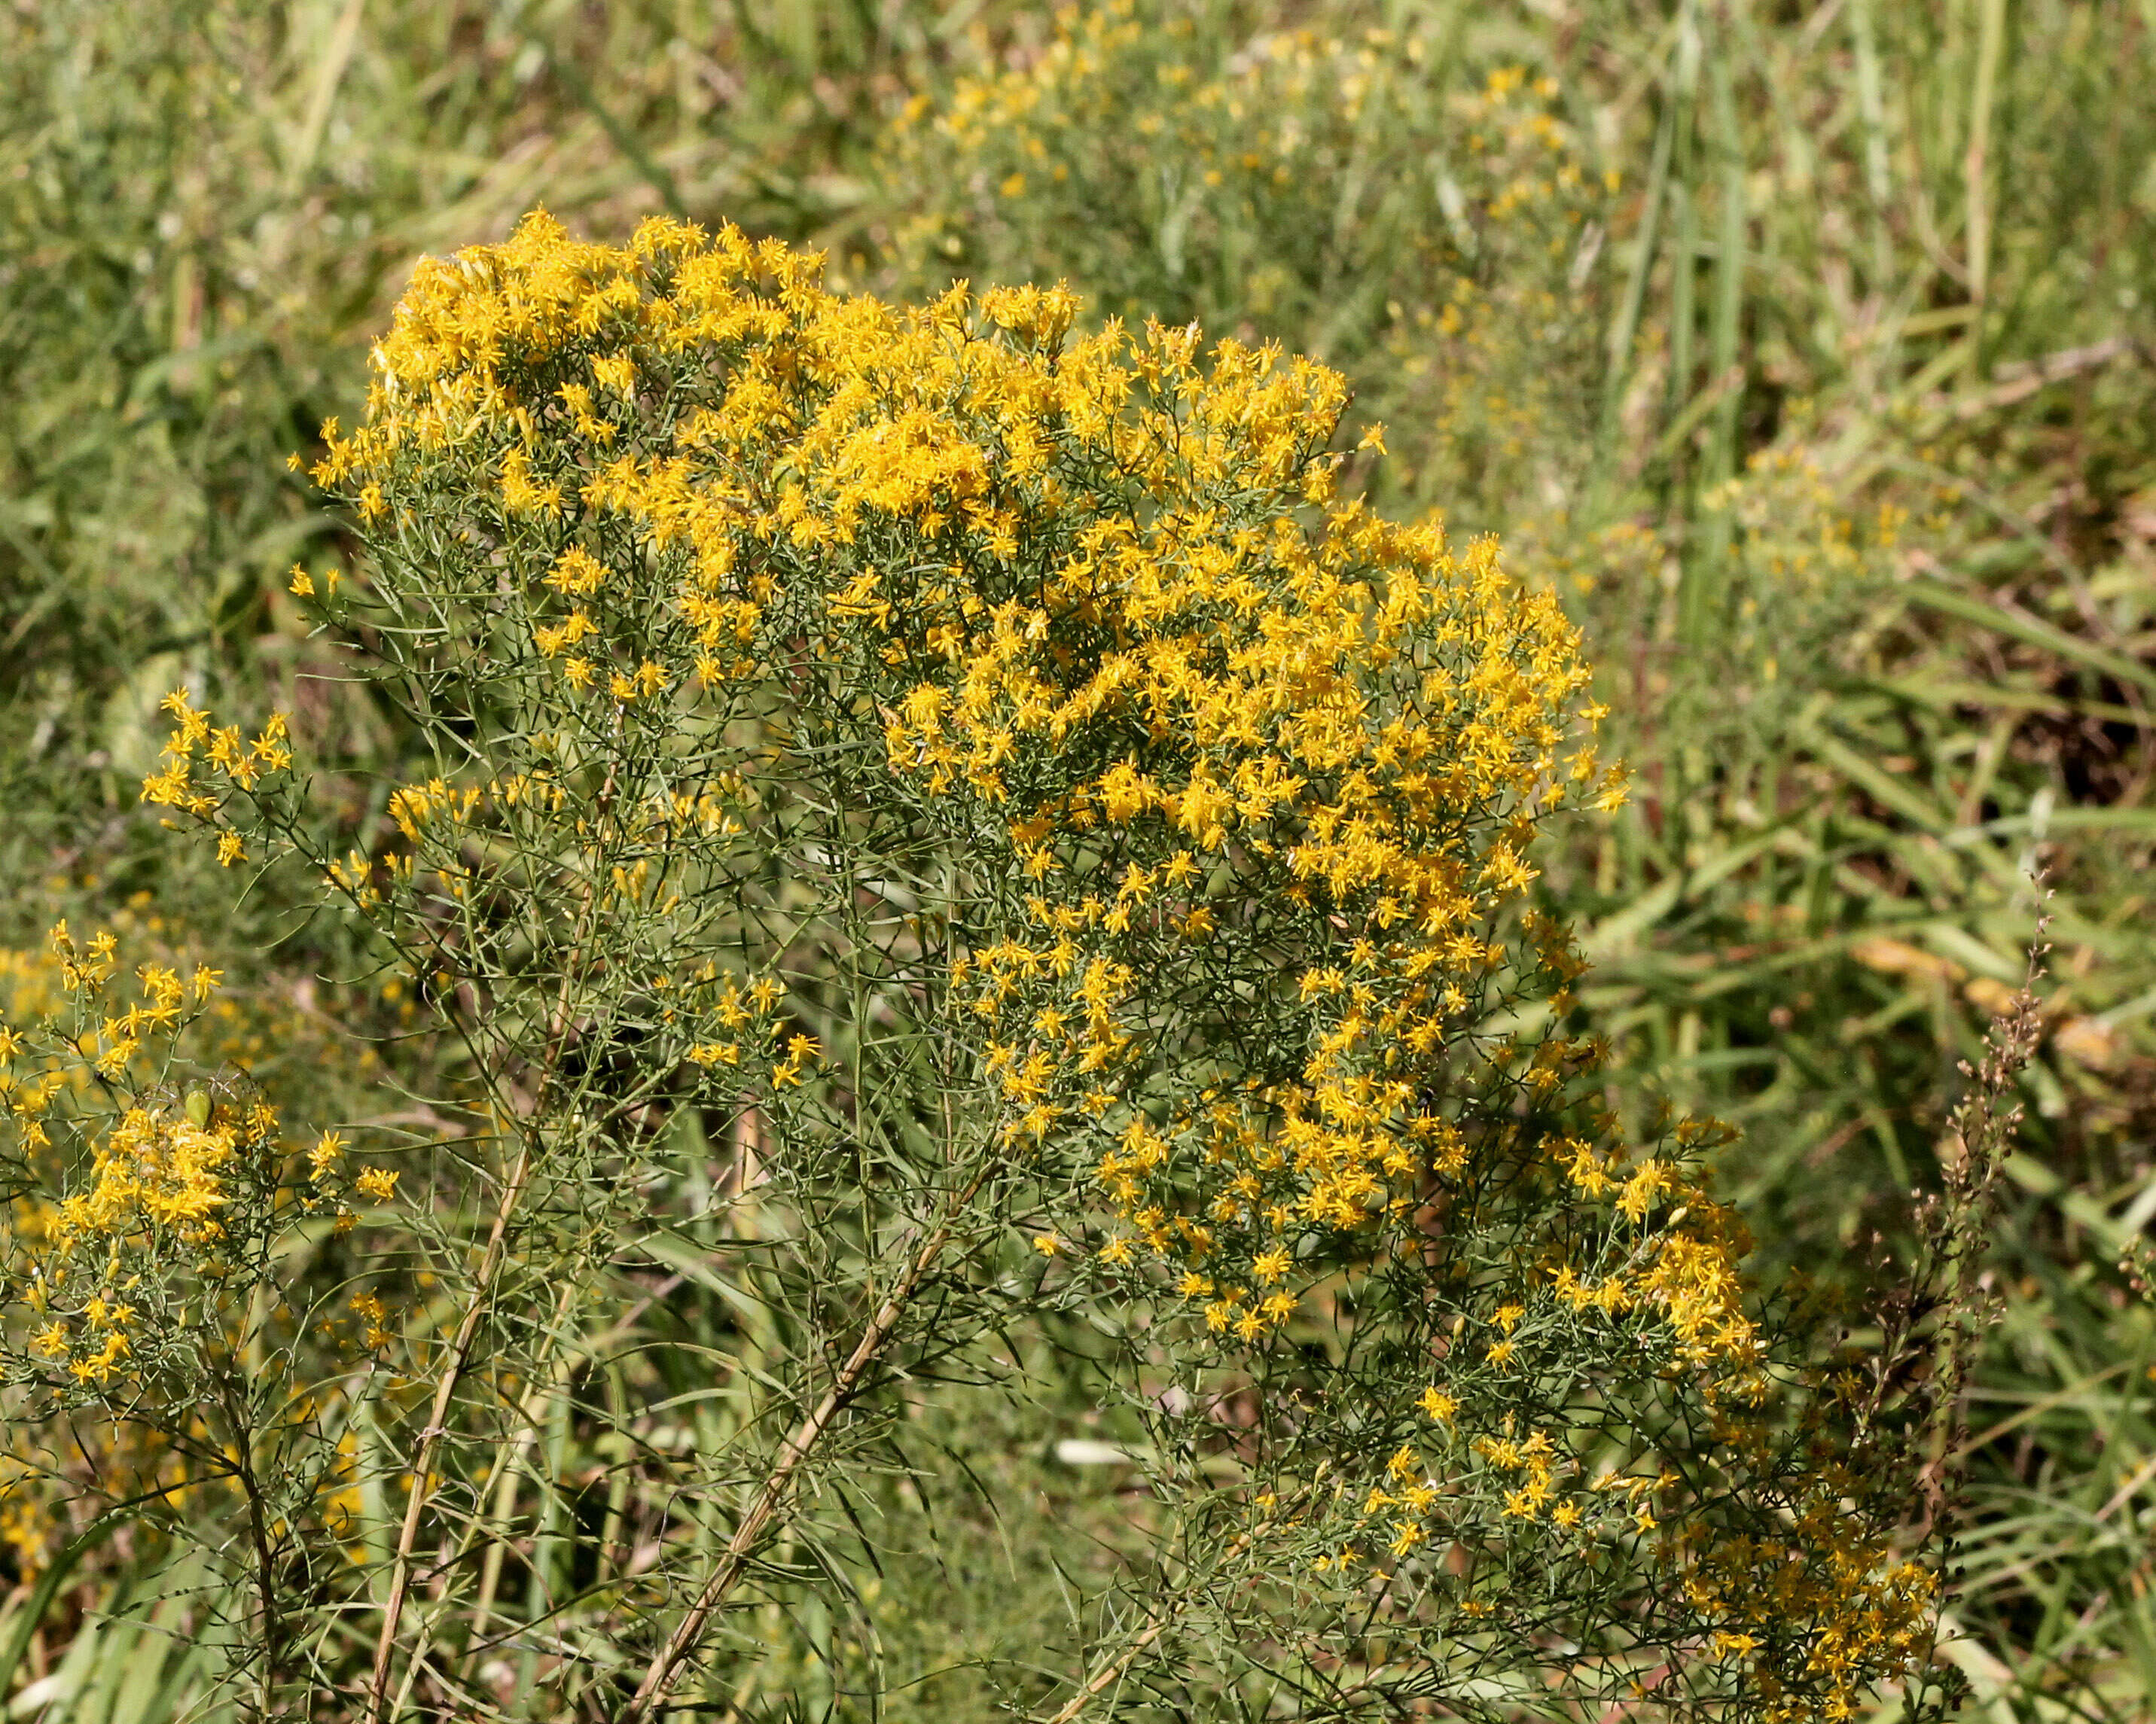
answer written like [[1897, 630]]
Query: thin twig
[[445, 1388], [1111, 1670], [667, 1666]]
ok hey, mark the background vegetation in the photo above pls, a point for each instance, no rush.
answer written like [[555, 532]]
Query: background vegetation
[[1805, 349]]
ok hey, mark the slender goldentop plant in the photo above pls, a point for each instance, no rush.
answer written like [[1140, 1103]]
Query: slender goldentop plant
[[976, 769]]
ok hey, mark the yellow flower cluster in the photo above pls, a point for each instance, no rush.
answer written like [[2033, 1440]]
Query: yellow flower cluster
[[1080, 585], [751, 1029], [133, 1179], [715, 1021], [152, 1172], [86, 969], [1838, 1585], [193, 745], [1083, 593]]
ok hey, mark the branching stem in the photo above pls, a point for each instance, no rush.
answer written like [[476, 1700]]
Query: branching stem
[[1111, 1670], [668, 1666], [445, 1388]]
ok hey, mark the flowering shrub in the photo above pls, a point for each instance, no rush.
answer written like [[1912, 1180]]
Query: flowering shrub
[[981, 769]]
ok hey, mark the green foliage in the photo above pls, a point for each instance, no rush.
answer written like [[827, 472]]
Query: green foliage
[[802, 677], [1898, 253]]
